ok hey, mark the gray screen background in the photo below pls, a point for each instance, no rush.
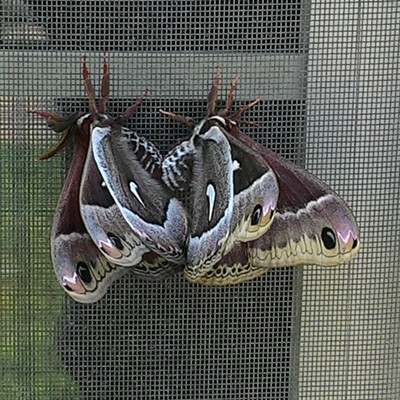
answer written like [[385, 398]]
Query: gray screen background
[[328, 74]]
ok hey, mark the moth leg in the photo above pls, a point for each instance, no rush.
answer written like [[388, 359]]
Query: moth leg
[[211, 104], [246, 122], [105, 86], [236, 115], [229, 98], [88, 87], [65, 137], [58, 124], [212, 96], [50, 116], [180, 118], [131, 109], [225, 112]]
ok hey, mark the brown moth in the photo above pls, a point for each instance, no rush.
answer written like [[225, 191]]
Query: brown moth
[[297, 219]]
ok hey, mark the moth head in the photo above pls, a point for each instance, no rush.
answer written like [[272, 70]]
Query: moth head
[[83, 272]]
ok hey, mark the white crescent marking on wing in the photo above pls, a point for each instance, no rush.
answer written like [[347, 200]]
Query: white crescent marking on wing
[[211, 200], [235, 165], [133, 187]]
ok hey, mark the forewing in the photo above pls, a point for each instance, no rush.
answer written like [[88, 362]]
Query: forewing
[[105, 222], [154, 215], [211, 199], [256, 190]]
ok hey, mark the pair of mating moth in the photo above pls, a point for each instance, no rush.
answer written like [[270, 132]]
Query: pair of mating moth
[[248, 210]]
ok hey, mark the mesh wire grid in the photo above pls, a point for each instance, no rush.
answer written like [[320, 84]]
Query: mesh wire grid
[[328, 74]]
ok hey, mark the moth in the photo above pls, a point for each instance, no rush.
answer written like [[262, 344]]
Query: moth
[[226, 205], [90, 238], [131, 170], [103, 220], [297, 219], [101, 215]]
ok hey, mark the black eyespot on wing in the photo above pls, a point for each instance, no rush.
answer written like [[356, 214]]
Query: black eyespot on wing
[[355, 243], [67, 288], [328, 238], [116, 241], [83, 271], [256, 215]]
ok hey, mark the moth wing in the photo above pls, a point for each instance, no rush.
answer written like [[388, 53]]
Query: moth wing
[[312, 224], [234, 267], [104, 220], [156, 268], [211, 199], [153, 214], [256, 190], [83, 272]]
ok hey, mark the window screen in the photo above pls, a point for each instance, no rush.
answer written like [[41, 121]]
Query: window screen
[[327, 72]]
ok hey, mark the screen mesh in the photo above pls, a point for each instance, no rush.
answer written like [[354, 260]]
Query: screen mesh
[[327, 72]]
